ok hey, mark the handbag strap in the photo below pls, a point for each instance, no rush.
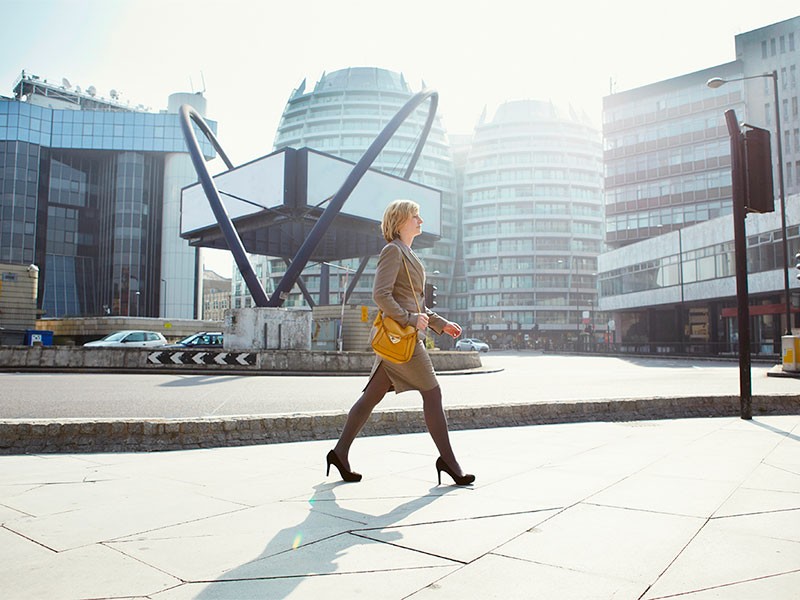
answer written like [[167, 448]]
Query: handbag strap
[[405, 264]]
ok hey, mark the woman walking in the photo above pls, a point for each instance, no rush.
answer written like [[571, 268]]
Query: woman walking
[[398, 291]]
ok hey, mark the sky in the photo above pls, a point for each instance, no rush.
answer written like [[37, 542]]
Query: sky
[[248, 56]]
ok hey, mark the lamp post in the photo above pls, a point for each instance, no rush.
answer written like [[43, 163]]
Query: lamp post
[[716, 82]]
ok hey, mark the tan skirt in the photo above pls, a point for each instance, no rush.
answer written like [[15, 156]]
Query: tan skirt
[[416, 374]]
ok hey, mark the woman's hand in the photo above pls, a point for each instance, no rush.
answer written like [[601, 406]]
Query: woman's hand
[[452, 329], [422, 322]]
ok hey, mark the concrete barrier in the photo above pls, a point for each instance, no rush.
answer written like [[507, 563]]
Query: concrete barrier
[[168, 360]]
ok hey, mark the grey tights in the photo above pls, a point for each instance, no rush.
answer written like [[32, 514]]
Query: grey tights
[[376, 389]]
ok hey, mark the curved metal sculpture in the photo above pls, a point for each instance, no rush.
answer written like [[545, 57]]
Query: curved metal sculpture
[[189, 114], [311, 242]]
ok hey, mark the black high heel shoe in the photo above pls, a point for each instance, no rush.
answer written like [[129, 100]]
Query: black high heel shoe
[[465, 479], [346, 475]]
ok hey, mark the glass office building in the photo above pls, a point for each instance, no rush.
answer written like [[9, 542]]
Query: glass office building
[[532, 225], [83, 187], [342, 116]]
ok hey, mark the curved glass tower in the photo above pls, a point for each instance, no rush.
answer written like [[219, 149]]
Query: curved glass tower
[[342, 116], [532, 225]]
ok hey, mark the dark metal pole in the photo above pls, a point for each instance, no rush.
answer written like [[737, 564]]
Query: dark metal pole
[[740, 250], [785, 244]]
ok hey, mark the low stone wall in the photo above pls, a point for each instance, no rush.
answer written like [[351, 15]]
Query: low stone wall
[[34, 358], [125, 435]]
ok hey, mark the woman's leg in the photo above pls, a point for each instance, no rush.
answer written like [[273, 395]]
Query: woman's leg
[[374, 392], [436, 422]]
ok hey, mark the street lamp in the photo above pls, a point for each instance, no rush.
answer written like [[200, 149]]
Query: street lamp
[[716, 82]]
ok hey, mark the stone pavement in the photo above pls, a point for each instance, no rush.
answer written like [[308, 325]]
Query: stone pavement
[[689, 508]]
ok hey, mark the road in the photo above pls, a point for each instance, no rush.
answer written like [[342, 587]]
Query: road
[[520, 378]]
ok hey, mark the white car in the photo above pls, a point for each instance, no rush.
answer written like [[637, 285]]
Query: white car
[[472, 344], [130, 339]]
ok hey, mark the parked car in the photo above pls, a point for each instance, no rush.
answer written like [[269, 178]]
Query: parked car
[[130, 339], [472, 344], [202, 339]]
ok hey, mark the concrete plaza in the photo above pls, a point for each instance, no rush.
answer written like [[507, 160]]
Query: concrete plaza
[[686, 508]]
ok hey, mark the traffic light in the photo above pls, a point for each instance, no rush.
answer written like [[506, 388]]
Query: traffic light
[[758, 171], [797, 265], [430, 295]]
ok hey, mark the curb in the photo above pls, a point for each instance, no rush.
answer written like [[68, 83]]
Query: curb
[[148, 435]]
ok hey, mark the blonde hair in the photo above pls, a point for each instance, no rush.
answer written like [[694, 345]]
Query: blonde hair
[[395, 215]]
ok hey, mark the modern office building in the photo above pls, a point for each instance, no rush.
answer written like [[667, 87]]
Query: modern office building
[[532, 224], [91, 195], [342, 116], [667, 154], [668, 280]]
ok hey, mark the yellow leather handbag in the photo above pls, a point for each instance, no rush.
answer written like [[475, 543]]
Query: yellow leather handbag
[[390, 340]]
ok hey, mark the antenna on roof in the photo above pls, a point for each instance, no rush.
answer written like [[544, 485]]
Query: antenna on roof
[[203, 79], [114, 94], [92, 91], [65, 82]]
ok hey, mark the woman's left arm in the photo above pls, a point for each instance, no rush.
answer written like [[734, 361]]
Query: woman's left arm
[[441, 325]]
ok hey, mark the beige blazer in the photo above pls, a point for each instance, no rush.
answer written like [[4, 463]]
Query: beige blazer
[[392, 291]]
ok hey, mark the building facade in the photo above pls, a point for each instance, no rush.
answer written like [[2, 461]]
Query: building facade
[[532, 225], [667, 154], [90, 190], [216, 295], [669, 282]]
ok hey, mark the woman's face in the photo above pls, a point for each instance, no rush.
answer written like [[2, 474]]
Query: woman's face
[[411, 227]]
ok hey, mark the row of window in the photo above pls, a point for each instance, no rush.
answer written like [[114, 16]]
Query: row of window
[[648, 161], [521, 227], [95, 129], [534, 157], [663, 130], [571, 175], [530, 263], [574, 192], [677, 98], [764, 253], [563, 144], [696, 182], [671, 215], [524, 208]]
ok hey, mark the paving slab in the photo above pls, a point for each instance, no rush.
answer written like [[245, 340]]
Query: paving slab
[[732, 550], [606, 541], [400, 583], [28, 571], [495, 577]]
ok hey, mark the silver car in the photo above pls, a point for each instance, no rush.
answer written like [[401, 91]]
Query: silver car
[[472, 345], [129, 339]]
